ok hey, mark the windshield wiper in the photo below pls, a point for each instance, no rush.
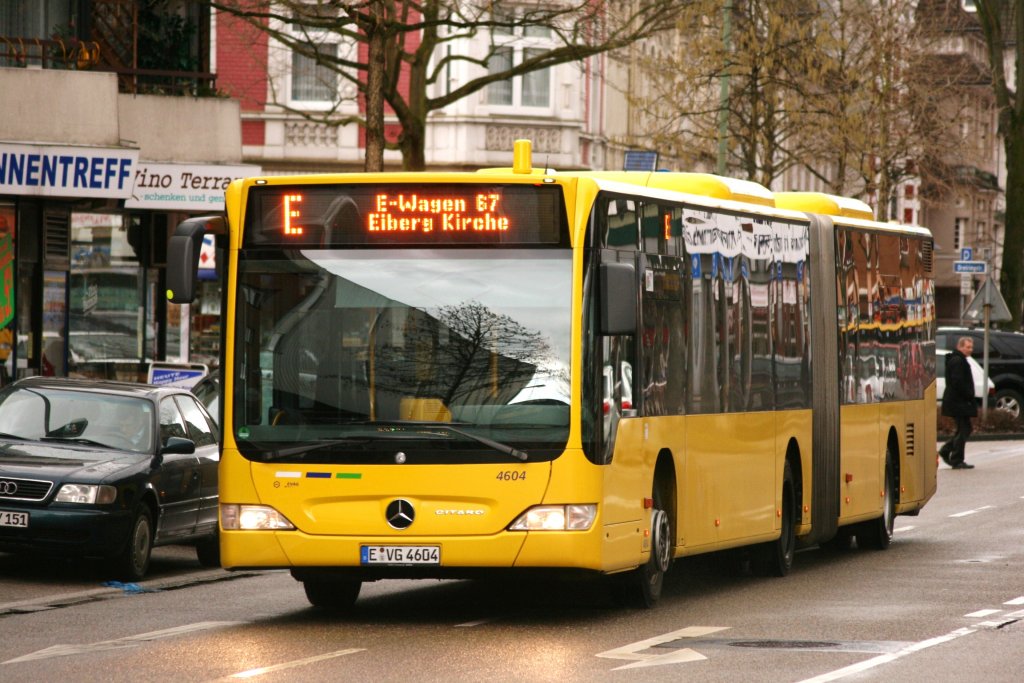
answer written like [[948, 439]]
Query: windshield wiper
[[309, 448], [5, 435], [78, 439], [401, 431], [425, 426]]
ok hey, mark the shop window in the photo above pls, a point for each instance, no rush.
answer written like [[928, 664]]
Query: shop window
[[7, 291], [108, 326]]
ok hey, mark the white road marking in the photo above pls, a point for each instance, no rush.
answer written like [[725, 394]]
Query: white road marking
[[638, 659], [971, 512], [252, 673], [127, 641], [983, 613], [886, 658], [1015, 601], [470, 624], [905, 528]]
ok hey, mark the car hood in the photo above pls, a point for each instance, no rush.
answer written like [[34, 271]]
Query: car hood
[[35, 460]]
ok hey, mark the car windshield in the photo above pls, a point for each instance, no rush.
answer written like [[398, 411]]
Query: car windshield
[[80, 417], [380, 344]]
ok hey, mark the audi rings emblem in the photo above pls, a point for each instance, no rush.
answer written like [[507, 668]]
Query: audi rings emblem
[[400, 514], [8, 488]]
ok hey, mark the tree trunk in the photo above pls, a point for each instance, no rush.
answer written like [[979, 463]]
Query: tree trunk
[[1012, 278], [375, 75]]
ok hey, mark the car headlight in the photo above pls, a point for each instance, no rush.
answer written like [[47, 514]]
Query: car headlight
[[556, 518], [89, 494], [252, 517]]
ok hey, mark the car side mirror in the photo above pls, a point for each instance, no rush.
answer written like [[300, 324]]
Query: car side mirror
[[177, 444]]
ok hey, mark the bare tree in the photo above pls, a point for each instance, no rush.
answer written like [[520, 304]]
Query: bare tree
[[760, 50], [885, 111], [403, 61], [843, 90], [1002, 23]]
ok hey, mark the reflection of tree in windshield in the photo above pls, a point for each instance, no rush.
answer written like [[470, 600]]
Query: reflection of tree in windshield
[[464, 354], [395, 339]]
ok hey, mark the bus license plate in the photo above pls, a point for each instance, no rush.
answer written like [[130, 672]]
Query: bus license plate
[[400, 554], [19, 519]]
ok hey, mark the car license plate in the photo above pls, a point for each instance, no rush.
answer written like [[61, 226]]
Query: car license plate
[[14, 519], [400, 554]]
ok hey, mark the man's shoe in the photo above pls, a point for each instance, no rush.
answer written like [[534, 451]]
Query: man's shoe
[[963, 466]]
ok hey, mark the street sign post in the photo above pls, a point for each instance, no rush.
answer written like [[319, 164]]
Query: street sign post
[[988, 306]]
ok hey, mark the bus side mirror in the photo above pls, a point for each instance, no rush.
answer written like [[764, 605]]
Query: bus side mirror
[[618, 297], [183, 257]]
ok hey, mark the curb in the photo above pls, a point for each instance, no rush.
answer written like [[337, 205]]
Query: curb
[[975, 436]]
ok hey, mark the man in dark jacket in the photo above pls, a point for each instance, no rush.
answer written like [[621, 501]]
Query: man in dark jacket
[[958, 402]]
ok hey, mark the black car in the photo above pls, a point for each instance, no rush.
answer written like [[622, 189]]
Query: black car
[[1005, 362], [106, 470]]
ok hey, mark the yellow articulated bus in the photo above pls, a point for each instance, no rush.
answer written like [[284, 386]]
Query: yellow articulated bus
[[518, 371]]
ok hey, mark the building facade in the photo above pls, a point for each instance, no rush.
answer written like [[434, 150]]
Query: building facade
[[568, 111], [101, 155], [128, 116]]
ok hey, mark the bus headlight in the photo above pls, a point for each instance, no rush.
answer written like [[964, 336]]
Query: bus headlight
[[252, 518], [556, 518]]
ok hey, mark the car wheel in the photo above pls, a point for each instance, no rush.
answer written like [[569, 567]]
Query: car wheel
[[335, 596], [208, 551], [1009, 400], [133, 562]]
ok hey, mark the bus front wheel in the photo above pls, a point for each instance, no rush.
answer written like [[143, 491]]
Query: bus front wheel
[[642, 586], [335, 596]]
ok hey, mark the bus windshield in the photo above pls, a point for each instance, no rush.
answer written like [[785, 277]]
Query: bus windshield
[[341, 353]]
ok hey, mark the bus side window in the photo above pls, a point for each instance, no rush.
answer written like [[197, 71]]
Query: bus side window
[[621, 228]]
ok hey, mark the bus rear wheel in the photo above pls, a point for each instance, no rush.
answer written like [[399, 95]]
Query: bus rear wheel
[[642, 586], [776, 558], [335, 596], [877, 533]]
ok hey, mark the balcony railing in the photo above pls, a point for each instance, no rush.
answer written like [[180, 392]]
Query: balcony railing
[[48, 54], [82, 55]]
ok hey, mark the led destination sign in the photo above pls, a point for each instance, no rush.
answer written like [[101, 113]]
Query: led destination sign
[[397, 215]]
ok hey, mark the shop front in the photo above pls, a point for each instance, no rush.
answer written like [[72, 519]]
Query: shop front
[[83, 239]]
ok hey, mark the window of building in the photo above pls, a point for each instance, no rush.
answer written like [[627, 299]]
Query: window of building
[[513, 45], [908, 216], [959, 233], [312, 80], [36, 18]]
